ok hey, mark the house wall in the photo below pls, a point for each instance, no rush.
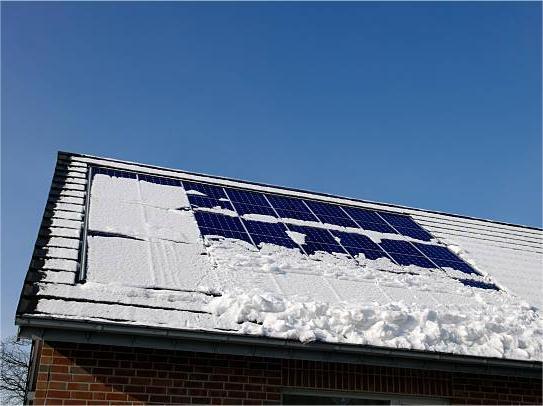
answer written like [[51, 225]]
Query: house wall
[[73, 374]]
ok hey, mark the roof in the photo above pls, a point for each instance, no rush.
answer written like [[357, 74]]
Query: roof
[[128, 249]]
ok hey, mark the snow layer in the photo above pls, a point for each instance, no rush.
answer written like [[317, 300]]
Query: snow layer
[[510, 331]]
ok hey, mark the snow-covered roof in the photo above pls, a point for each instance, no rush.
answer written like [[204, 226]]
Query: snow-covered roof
[[133, 245]]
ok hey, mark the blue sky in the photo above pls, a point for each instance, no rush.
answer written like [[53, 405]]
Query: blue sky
[[428, 105]]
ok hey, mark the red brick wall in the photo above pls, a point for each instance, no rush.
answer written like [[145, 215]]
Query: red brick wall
[[92, 374]]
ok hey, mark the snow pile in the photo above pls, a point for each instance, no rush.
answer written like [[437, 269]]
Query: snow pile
[[510, 331]]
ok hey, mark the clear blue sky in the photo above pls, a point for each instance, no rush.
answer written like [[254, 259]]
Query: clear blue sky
[[435, 106]]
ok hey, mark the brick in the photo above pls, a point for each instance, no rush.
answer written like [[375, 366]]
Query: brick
[[80, 395], [58, 394]]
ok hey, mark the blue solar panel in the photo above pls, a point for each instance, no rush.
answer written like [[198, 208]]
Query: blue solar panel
[[369, 220], [400, 247], [211, 191], [436, 252], [479, 284], [203, 201], [273, 233], [458, 265], [247, 202], [243, 208], [247, 197], [331, 214], [160, 180], [317, 239], [405, 225], [403, 259], [417, 233], [288, 207], [399, 220], [213, 224], [356, 244]]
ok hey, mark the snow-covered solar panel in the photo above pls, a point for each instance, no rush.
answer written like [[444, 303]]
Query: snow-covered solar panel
[[317, 239], [359, 244], [208, 196], [214, 224], [289, 210], [272, 233]]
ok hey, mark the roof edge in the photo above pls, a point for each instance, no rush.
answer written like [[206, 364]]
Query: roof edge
[[104, 333], [75, 154]]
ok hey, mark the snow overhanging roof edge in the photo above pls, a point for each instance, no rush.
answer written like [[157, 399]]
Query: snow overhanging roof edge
[[93, 332], [291, 189]]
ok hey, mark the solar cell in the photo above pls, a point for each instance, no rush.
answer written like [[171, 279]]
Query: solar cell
[[399, 220], [356, 244], [247, 197], [213, 224], [403, 259], [292, 208], [458, 265], [160, 180], [331, 214], [211, 191], [417, 233], [317, 239], [243, 208], [405, 225], [400, 247], [203, 201], [436, 252], [274, 233], [369, 220]]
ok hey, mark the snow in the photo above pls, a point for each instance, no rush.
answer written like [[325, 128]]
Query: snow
[[511, 331], [148, 265]]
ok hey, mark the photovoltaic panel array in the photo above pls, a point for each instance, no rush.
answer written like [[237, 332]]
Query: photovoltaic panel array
[[287, 210], [282, 217]]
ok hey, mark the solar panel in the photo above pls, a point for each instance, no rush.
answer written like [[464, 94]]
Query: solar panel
[[436, 252], [207, 196], [211, 191], [273, 233], [317, 239], [246, 202], [160, 180], [331, 214], [404, 253], [291, 208], [403, 259], [444, 258], [458, 265], [369, 220], [213, 224], [405, 225], [247, 197], [359, 244]]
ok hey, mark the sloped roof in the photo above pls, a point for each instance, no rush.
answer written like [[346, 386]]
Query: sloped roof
[[126, 250]]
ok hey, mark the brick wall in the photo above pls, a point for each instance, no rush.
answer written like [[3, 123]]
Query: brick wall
[[92, 374]]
